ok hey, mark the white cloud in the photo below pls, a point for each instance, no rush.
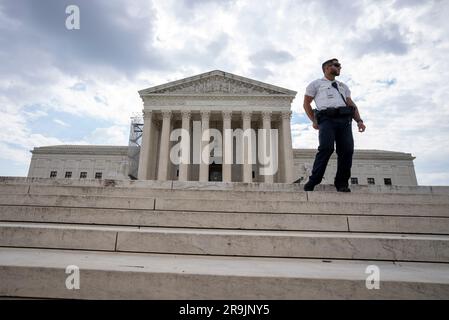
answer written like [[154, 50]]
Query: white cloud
[[114, 135], [14, 154], [61, 123]]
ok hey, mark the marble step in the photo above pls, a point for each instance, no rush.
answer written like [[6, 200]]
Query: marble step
[[41, 273], [78, 201], [227, 220], [219, 186], [228, 242], [150, 192], [132, 191], [219, 205], [312, 207], [192, 219]]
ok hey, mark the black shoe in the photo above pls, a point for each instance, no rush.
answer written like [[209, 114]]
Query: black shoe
[[343, 189], [309, 186], [299, 180]]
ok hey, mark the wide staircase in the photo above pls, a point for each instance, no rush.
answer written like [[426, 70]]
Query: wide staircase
[[190, 240]]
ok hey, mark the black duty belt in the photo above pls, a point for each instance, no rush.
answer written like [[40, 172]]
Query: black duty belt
[[336, 112]]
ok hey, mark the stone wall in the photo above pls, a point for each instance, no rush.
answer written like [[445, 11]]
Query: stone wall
[[112, 162]]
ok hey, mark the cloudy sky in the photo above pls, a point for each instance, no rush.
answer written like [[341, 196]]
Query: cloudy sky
[[60, 86]]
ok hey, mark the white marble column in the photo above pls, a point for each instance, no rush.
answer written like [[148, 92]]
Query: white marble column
[[266, 125], [287, 146], [280, 174], [164, 146], [204, 166], [247, 150], [185, 143], [144, 157], [227, 147]]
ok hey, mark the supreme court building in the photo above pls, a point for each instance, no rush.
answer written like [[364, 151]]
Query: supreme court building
[[223, 102]]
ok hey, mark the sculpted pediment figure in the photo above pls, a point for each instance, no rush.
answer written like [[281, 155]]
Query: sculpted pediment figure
[[217, 83]]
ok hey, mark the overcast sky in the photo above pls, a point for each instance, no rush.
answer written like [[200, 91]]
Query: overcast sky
[[60, 86]]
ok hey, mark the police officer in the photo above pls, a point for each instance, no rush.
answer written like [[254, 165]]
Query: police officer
[[332, 117]]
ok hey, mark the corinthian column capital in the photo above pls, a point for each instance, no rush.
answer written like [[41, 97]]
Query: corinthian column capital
[[167, 114], [266, 115], [186, 114], [205, 115], [227, 115], [286, 115], [246, 115], [147, 114]]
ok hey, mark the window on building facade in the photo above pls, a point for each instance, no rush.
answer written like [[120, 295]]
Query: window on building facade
[[68, 174], [371, 181], [387, 181], [83, 175], [53, 174], [354, 181], [98, 175]]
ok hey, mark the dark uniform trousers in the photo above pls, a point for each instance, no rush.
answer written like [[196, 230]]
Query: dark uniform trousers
[[332, 131]]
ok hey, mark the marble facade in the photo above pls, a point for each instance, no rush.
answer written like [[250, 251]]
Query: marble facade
[[214, 100]]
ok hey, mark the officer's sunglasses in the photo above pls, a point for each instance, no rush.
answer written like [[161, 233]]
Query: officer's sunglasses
[[337, 65]]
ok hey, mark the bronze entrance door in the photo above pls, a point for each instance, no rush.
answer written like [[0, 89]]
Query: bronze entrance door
[[215, 173]]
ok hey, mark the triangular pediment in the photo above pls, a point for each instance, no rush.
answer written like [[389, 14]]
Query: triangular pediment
[[217, 83]]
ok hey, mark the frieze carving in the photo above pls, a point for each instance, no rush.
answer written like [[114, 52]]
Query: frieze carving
[[216, 85], [187, 100]]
